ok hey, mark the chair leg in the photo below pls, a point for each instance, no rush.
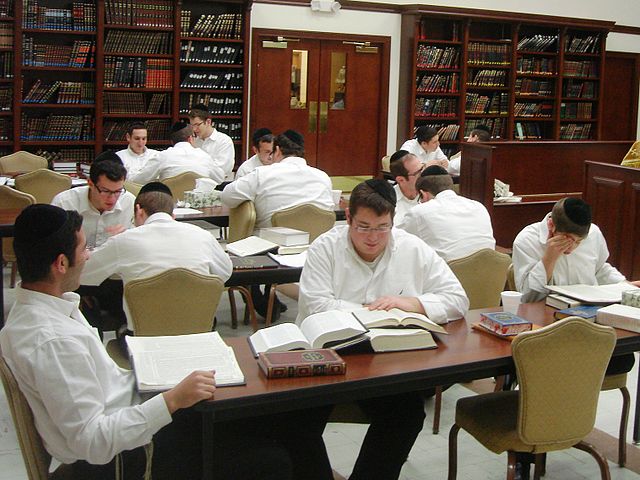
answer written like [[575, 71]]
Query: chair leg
[[437, 407], [500, 383], [270, 303], [244, 291], [624, 419], [234, 310], [540, 465], [453, 452], [14, 270], [602, 462], [511, 465]]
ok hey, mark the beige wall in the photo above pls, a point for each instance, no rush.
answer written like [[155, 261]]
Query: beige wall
[[624, 12]]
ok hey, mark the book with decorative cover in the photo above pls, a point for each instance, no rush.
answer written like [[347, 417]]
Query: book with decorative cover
[[504, 323], [301, 363], [588, 312]]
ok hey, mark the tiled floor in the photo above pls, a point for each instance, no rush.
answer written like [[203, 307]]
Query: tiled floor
[[428, 459]]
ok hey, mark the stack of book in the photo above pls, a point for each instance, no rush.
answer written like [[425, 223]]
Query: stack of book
[[67, 156], [79, 55], [504, 324], [6, 8], [529, 131]]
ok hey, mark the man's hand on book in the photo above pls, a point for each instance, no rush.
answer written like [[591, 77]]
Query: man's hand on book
[[408, 304], [197, 386]]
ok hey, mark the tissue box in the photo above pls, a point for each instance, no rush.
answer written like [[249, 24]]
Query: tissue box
[[631, 298], [202, 199]]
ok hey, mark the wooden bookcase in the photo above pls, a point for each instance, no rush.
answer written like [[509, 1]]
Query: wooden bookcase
[[526, 77], [139, 71]]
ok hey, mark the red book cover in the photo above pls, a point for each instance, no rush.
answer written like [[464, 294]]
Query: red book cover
[[302, 363]]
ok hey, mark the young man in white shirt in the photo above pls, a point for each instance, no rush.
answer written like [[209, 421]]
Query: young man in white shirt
[[86, 408], [426, 146], [184, 156], [405, 167], [135, 156], [478, 134], [454, 226], [262, 152], [369, 263], [158, 243], [216, 144]]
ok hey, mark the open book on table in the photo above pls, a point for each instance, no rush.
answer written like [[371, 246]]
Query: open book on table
[[396, 318], [594, 294], [160, 363]]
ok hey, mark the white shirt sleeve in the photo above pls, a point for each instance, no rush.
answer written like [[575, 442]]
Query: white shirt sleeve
[[78, 410], [409, 222], [150, 171], [530, 274], [243, 189], [102, 263]]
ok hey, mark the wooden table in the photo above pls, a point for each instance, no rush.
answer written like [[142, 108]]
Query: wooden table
[[461, 356], [220, 215]]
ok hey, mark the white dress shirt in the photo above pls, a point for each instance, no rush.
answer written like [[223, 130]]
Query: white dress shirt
[[403, 204], [95, 223], [412, 146], [454, 164], [454, 226], [219, 147], [134, 162], [85, 406], [334, 276], [182, 157], [282, 185], [160, 244], [248, 166], [586, 264]]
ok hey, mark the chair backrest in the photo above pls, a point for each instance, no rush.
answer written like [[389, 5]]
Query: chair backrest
[[181, 183], [21, 162], [483, 275], [36, 459], [134, 188], [385, 163], [242, 219], [305, 217], [12, 198], [511, 279], [174, 302], [560, 369], [43, 184]]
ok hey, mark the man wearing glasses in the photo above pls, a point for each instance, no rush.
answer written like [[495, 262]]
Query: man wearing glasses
[[218, 145], [405, 168], [368, 263]]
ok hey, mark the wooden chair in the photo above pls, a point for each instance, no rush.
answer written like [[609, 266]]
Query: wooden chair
[[36, 459], [11, 198], [43, 184], [181, 183], [560, 369], [483, 275], [133, 187], [21, 162], [242, 220]]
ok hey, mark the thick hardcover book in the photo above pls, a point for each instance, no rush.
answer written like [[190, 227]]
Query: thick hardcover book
[[302, 363], [504, 323], [588, 312], [620, 316], [556, 300], [255, 261]]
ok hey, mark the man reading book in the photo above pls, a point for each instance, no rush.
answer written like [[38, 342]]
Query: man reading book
[[367, 262], [86, 408]]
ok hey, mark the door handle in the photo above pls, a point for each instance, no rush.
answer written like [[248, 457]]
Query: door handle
[[313, 116], [324, 116]]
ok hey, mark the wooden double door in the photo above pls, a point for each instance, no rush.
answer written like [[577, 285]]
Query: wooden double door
[[331, 89]]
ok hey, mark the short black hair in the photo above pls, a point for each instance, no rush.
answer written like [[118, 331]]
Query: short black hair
[[199, 110], [137, 125], [261, 135], [396, 164], [425, 133], [41, 233], [113, 170], [287, 146], [482, 132], [180, 132]]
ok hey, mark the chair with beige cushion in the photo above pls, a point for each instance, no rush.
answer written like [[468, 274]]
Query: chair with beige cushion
[[181, 183], [21, 162], [560, 369], [36, 459], [482, 275], [43, 184], [133, 187], [11, 198]]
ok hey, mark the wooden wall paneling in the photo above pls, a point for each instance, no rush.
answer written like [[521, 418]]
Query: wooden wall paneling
[[509, 218], [607, 205], [476, 182], [632, 233], [620, 96]]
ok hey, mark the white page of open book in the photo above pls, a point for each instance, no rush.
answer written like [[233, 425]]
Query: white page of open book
[[609, 293], [295, 260], [287, 335], [319, 324]]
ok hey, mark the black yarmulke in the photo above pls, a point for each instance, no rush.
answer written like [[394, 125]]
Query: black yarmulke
[[200, 106], [37, 222], [259, 133], [155, 187], [398, 155], [434, 170], [383, 189], [176, 127], [295, 137], [108, 155], [577, 211]]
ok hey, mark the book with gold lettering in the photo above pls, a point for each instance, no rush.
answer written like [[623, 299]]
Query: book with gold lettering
[[301, 363]]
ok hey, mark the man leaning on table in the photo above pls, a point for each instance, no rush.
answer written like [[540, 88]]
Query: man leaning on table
[[565, 248], [86, 408], [367, 262]]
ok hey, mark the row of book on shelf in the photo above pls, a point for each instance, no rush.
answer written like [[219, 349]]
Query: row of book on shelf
[[81, 17], [123, 41], [491, 104], [215, 80], [539, 43], [430, 56], [576, 110], [6, 35], [531, 86], [6, 65], [57, 128], [145, 13], [6, 8], [446, 132], [438, 83], [114, 130], [587, 44], [6, 99], [79, 55], [60, 92], [217, 104], [136, 102], [436, 107], [536, 65], [223, 25], [488, 53], [533, 109], [488, 78], [193, 51], [137, 72]]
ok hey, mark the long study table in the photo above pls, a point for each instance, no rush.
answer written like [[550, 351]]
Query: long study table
[[461, 356]]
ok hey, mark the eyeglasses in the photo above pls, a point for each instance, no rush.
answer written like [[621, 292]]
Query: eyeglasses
[[416, 173], [105, 192], [196, 125], [381, 229]]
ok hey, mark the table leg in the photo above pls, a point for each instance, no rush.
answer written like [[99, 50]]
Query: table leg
[[636, 417], [207, 445]]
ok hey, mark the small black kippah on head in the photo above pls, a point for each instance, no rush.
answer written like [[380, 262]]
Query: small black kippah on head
[[38, 222], [382, 188], [434, 170], [295, 137], [577, 211], [155, 187]]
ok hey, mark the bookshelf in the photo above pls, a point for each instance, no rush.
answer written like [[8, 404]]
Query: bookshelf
[[526, 77], [87, 68]]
